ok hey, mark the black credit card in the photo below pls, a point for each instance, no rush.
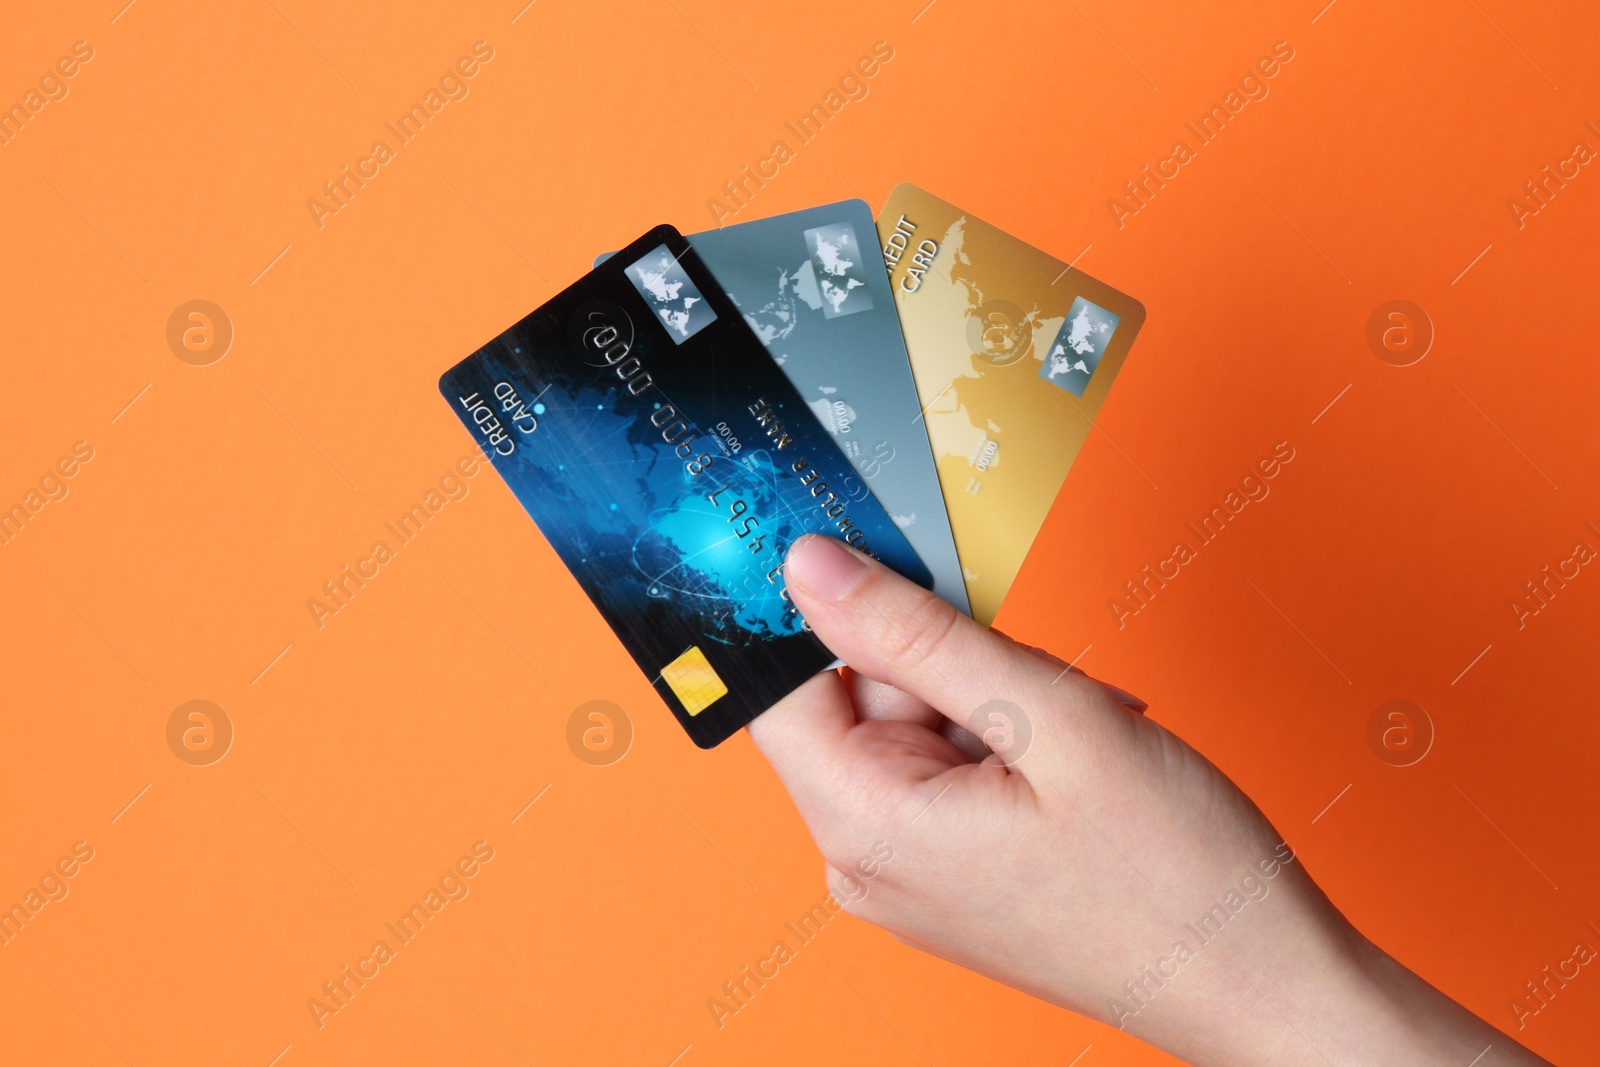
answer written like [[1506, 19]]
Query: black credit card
[[671, 464]]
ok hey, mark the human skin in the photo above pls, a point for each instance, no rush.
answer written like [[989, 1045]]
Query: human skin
[[1072, 864]]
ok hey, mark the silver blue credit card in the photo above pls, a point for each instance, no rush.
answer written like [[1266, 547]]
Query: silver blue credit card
[[813, 286], [671, 464]]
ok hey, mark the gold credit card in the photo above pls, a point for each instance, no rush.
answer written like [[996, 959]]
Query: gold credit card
[[1013, 352]]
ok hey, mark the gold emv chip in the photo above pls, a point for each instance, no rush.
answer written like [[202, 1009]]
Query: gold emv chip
[[694, 681]]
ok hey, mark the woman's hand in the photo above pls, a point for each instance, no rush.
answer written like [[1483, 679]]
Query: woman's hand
[[1093, 860]]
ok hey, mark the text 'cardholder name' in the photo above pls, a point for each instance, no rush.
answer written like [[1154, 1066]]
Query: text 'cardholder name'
[[671, 464]]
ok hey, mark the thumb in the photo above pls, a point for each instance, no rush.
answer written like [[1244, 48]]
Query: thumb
[[894, 631]]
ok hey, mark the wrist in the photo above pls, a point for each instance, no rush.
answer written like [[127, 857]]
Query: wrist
[[1312, 990]]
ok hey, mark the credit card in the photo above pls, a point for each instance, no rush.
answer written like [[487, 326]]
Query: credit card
[[1013, 352], [813, 286], [670, 464]]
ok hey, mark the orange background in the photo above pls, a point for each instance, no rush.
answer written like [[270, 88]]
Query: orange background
[[377, 749]]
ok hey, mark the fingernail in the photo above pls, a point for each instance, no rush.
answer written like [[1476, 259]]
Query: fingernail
[[1127, 699], [824, 568]]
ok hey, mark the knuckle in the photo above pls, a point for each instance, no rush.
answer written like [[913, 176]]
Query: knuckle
[[919, 634]]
